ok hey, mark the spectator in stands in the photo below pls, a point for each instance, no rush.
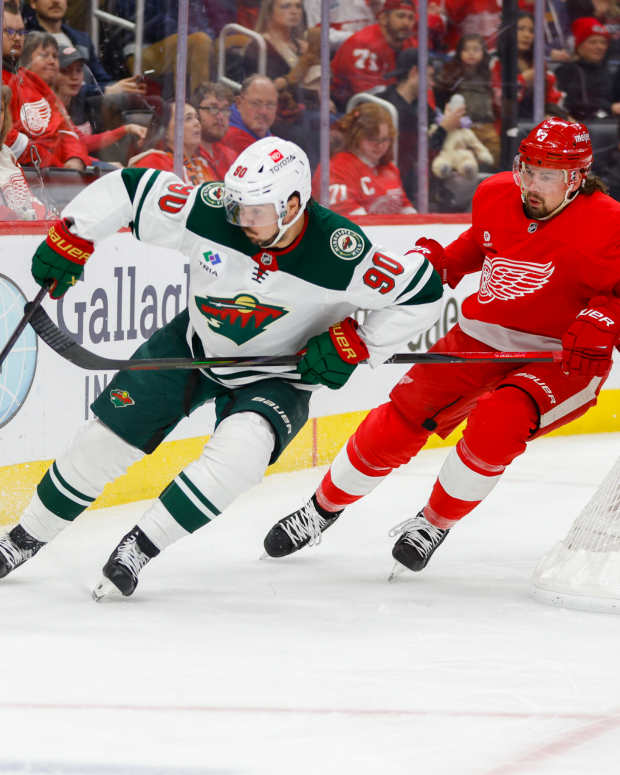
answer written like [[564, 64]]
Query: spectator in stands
[[404, 96], [48, 16], [13, 33], [363, 61], [468, 73], [68, 85], [587, 81], [345, 17], [213, 101], [293, 56], [17, 201], [160, 39], [253, 114], [468, 17], [363, 178], [39, 118], [161, 155], [525, 63]]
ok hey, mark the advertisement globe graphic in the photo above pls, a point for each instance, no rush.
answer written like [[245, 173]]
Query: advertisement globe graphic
[[17, 371]]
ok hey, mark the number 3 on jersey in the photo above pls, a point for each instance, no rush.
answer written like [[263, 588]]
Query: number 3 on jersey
[[380, 278], [175, 199]]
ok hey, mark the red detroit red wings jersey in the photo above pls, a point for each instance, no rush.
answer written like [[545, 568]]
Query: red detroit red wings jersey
[[355, 188], [363, 60], [536, 275]]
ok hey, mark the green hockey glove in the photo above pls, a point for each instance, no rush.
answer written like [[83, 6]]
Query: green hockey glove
[[331, 357], [60, 258]]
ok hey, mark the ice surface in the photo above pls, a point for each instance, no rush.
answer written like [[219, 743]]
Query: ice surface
[[224, 664]]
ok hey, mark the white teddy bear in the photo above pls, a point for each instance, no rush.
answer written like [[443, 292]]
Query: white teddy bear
[[461, 153]]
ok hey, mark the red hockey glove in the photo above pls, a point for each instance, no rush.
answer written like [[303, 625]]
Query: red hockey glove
[[434, 252], [331, 357], [589, 342], [60, 258]]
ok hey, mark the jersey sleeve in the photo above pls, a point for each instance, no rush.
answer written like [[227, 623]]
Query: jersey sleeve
[[402, 297], [151, 201], [463, 256]]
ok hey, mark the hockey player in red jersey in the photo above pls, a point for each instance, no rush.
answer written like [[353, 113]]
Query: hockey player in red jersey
[[549, 251]]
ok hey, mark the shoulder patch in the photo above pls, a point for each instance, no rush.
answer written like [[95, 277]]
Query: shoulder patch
[[212, 194], [346, 244]]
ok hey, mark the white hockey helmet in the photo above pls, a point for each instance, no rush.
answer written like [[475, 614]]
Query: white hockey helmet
[[269, 171]]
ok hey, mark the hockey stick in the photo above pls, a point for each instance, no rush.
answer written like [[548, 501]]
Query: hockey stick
[[69, 349], [29, 310]]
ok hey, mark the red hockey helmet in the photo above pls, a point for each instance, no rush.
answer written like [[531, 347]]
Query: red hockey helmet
[[558, 144]]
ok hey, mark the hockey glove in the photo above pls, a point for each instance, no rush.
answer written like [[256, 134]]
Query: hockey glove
[[434, 252], [588, 344], [330, 358], [60, 258]]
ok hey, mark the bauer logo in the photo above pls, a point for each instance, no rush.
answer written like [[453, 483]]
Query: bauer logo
[[212, 194], [347, 244], [18, 368]]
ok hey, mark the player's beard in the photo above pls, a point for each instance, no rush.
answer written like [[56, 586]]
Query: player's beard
[[538, 210], [262, 243]]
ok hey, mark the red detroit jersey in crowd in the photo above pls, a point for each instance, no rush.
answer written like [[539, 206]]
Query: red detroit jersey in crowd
[[363, 60], [536, 275], [355, 188]]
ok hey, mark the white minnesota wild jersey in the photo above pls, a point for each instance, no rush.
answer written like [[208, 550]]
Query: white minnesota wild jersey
[[247, 301]]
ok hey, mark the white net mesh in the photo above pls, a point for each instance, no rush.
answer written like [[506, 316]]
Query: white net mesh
[[583, 570]]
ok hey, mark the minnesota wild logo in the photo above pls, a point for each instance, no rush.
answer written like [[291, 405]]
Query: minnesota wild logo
[[239, 319], [120, 398]]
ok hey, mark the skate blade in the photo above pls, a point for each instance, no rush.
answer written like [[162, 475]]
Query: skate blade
[[104, 588], [397, 571]]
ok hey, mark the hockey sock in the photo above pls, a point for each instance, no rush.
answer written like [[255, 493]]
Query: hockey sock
[[233, 460], [496, 433], [76, 478], [384, 441]]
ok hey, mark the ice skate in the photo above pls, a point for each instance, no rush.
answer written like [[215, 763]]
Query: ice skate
[[120, 573], [417, 541], [16, 547], [301, 528]]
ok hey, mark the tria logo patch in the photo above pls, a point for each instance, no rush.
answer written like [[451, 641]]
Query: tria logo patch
[[121, 398], [276, 155], [241, 318], [212, 258]]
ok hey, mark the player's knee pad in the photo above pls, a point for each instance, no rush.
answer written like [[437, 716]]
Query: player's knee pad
[[96, 456], [501, 424], [234, 459]]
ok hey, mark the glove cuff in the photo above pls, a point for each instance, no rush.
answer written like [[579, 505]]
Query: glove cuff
[[349, 346], [69, 246]]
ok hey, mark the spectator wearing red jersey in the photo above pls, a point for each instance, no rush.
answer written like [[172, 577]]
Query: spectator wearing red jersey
[[253, 114], [363, 61], [161, 155], [40, 120], [16, 199], [213, 101], [525, 78], [363, 178], [587, 81]]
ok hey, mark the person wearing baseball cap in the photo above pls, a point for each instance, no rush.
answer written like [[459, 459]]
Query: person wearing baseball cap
[[587, 81]]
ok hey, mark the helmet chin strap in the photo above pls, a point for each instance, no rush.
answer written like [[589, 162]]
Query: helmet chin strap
[[282, 229]]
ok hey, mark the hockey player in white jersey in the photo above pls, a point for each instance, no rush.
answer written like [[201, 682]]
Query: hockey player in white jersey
[[288, 275]]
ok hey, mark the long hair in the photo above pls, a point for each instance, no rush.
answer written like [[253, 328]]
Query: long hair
[[454, 71], [265, 14], [527, 55], [364, 121]]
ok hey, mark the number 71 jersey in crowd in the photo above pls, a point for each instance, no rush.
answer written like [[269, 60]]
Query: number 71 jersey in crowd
[[244, 300]]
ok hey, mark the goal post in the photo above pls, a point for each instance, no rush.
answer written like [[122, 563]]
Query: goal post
[[583, 570]]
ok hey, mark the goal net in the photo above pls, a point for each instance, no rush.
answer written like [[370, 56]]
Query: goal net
[[583, 570]]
